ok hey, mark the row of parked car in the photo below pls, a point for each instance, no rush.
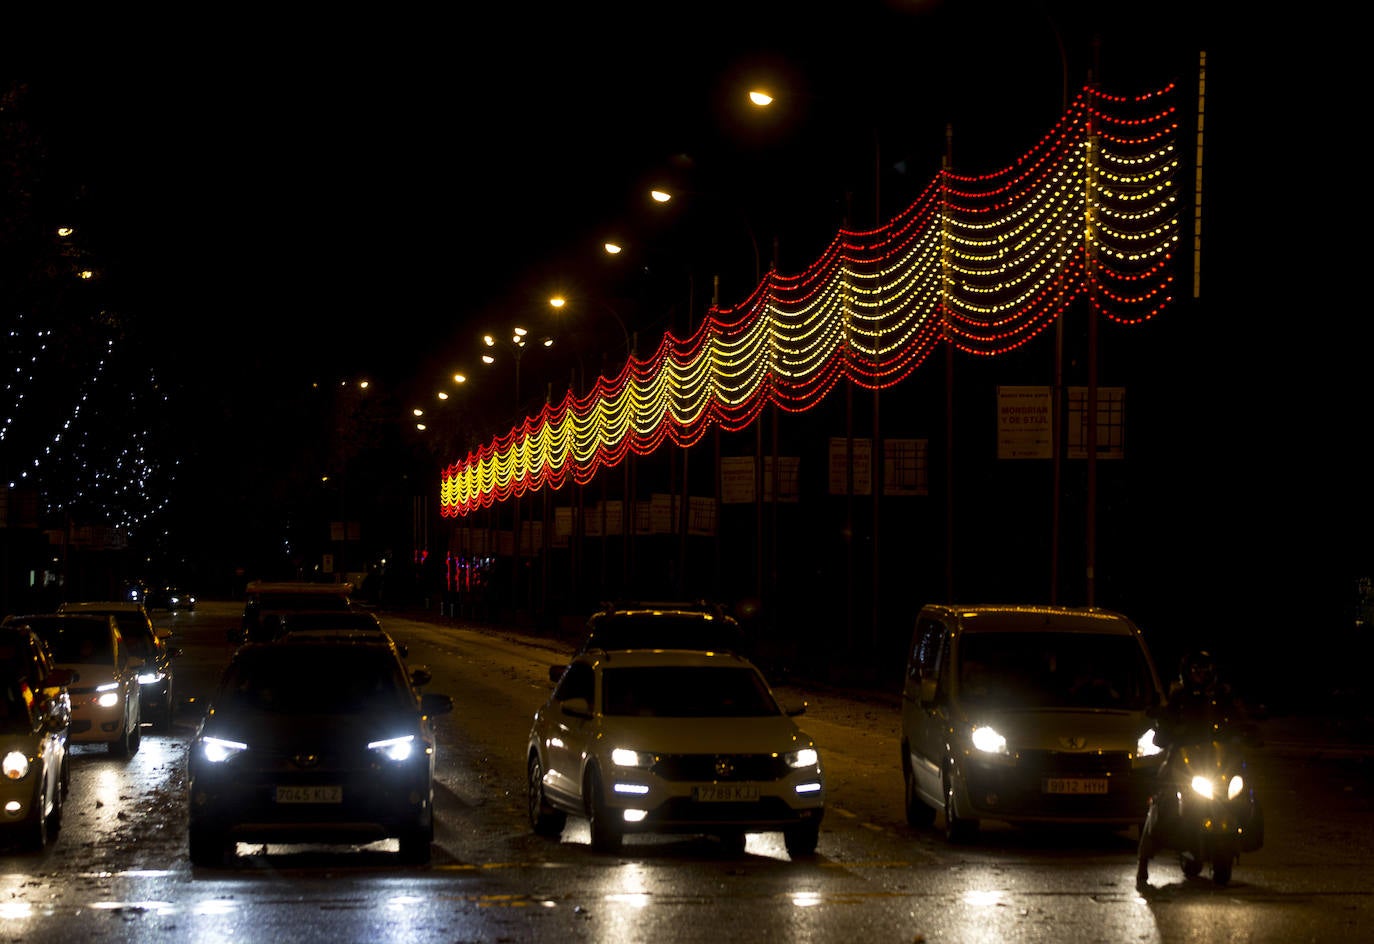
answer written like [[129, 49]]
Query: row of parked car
[[89, 673]]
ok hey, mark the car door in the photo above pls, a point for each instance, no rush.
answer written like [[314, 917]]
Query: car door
[[567, 738], [924, 718]]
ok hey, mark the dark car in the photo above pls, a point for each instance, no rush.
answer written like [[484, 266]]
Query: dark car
[[356, 625], [664, 625], [35, 716], [156, 679], [265, 602], [320, 740], [170, 597]]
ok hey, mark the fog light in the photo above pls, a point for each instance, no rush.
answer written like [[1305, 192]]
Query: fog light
[[634, 816]]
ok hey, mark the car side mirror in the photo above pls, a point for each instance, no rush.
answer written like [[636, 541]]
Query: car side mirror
[[556, 672], [421, 676], [794, 709], [577, 708]]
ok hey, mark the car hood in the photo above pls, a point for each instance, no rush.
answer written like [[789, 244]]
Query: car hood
[[704, 735], [1066, 729], [89, 675]]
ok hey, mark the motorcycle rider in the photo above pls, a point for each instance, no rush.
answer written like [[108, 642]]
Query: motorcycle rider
[[1197, 699]]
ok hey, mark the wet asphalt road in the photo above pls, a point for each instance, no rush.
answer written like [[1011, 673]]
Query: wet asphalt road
[[118, 870]]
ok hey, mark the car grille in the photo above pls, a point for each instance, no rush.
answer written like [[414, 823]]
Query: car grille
[[719, 767]]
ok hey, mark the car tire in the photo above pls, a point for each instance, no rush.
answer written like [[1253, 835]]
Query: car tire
[[919, 814], [55, 817], [35, 832], [957, 828], [801, 840], [207, 846], [544, 819], [414, 846], [605, 836], [733, 841]]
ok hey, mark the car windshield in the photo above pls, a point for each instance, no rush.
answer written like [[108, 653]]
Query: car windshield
[[1053, 670], [686, 692], [134, 628], [316, 680], [15, 709], [662, 631], [77, 641]]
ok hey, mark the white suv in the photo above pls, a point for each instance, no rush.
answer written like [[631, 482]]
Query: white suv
[[672, 741]]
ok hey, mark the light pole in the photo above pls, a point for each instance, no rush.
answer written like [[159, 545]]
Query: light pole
[[517, 343]]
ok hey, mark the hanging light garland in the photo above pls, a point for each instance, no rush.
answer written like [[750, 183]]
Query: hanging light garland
[[985, 263]]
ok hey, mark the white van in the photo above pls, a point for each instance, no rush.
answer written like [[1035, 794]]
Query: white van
[[1026, 715]]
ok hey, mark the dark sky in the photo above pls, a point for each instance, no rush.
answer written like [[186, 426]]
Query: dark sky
[[369, 194], [365, 195]]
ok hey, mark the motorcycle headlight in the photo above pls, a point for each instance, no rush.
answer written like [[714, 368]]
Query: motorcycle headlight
[[806, 757], [397, 748], [1145, 745], [988, 740], [15, 765], [624, 757], [1234, 788], [218, 750], [1202, 787]]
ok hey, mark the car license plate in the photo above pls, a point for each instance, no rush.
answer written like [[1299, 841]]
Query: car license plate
[[1075, 785], [332, 794], [726, 793]]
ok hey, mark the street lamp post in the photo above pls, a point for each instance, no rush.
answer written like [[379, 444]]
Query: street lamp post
[[516, 345]]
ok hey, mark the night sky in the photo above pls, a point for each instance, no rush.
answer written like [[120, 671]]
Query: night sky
[[308, 199]]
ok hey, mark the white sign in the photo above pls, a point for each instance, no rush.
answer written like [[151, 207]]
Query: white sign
[[1025, 427]]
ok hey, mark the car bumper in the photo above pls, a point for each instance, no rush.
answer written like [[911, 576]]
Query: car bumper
[[1043, 787], [92, 724], [647, 803], [321, 807]]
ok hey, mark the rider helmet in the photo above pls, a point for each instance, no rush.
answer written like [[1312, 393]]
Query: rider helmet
[[1197, 669]]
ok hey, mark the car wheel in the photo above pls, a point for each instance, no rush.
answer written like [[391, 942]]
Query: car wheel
[[733, 841], [415, 845], [35, 834], [135, 740], [919, 814], [605, 835], [1190, 864], [207, 845], [119, 747], [544, 819], [55, 817], [801, 840], [957, 828]]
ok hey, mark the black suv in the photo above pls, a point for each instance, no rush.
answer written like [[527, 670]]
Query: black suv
[[156, 685]]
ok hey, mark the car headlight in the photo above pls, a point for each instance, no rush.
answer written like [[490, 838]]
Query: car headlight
[[107, 696], [218, 750], [148, 678], [624, 757], [988, 740], [1234, 788], [1145, 745], [397, 748], [805, 757], [15, 765]]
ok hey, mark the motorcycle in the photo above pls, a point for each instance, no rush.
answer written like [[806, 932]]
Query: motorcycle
[[1209, 811]]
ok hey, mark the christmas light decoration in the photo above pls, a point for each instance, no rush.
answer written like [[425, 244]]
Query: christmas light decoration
[[985, 263]]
